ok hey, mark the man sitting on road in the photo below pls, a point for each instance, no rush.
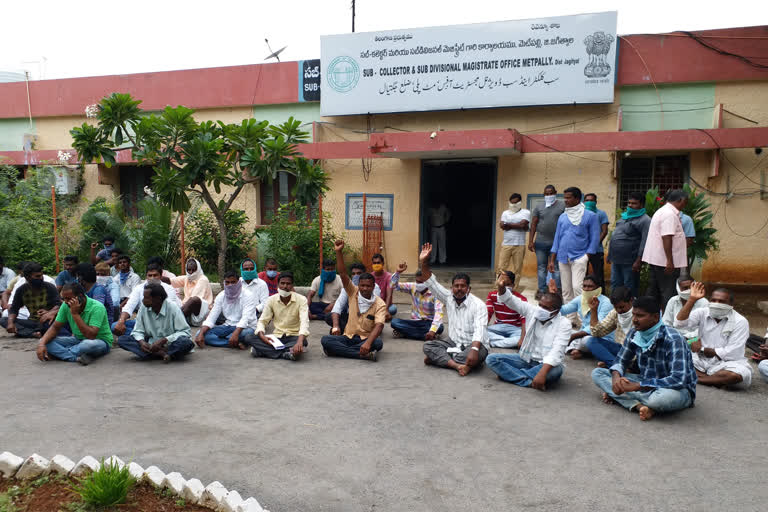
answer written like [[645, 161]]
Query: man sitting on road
[[254, 285], [718, 355], [198, 295], [509, 328], [67, 275], [88, 323], [337, 320], [618, 321], [467, 346], [540, 361], [327, 286], [6, 275], [86, 276], [367, 315], [236, 305], [41, 300], [289, 311], [676, 304], [126, 278], [580, 340], [123, 324], [269, 275], [383, 279], [426, 311], [666, 380], [161, 330]]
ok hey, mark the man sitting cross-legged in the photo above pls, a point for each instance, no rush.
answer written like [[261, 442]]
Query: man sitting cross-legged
[[677, 302], [666, 380], [86, 319], [289, 312], [540, 361], [198, 295], [367, 315], [255, 286], [509, 328], [86, 276], [124, 325], [125, 278], [236, 305], [426, 311], [337, 320], [161, 330], [467, 318], [327, 286], [39, 297], [580, 305], [618, 321], [718, 355]]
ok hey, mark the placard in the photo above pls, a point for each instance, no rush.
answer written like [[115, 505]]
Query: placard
[[560, 60], [375, 204]]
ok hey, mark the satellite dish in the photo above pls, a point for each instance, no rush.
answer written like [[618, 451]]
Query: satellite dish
[[273, 55]]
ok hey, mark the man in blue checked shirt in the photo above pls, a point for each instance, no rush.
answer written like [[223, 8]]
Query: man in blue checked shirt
[[666, 380]]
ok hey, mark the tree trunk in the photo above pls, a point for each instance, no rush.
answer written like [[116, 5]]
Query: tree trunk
[[223, 243]]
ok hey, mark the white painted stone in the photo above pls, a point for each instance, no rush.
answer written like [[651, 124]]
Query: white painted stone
[[762, 305], [250, 505], [86, 465], [9, 464], [193, 490], [231, 501], [114, 460], [175, 482], [62, 465], [154, 476], [135, 470], [33, 467], [213, 495]]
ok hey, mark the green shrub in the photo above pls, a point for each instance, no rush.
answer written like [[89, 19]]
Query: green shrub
[[107, 486], [155, 233], [202, 238], [102, 218], [295, 242]]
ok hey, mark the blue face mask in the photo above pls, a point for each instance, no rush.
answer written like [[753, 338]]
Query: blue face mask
[[271, 274]]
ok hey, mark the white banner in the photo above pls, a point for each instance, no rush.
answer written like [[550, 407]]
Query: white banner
[[549, 61]]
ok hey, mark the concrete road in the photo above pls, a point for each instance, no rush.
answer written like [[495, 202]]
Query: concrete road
[[342, 435]]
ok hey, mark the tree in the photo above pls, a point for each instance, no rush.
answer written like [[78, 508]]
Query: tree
[[211, 160]]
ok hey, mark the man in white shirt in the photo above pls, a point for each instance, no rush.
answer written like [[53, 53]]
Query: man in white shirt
[[677, 302], [124, 326], [235, 303], [126, 278], [254, 285], [439, 217], [327, 286], [718, 355], [514, 222], [467, 318], [540, 361], [6, 275]]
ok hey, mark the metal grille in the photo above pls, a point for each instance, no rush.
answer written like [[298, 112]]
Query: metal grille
[[641, 174]]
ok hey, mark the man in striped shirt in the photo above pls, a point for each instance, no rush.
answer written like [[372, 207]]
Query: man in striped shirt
[[467, 346], [426, 311], [509, 328]]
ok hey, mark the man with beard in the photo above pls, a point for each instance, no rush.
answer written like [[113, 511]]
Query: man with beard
[[40, 298]]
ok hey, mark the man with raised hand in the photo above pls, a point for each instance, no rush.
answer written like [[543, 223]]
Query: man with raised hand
[[426, 320], [467, 345], [367, 315]]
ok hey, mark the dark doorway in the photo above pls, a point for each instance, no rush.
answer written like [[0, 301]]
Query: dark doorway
[[468, 190], [133, 180]]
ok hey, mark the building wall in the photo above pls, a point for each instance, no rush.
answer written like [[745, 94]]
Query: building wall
[[12, 133]]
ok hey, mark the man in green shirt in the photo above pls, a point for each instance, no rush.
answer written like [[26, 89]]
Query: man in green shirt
[[161, 330], [87, 319]]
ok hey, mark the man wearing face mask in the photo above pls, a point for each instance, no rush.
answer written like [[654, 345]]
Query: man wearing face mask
[[235, 303], [539, 363], [254, 285], [269, 275], [666, 379], [86, 276], [467, 345], [104, 278], [618, 321], [87, 320], [383, 279], [198, 295], [509, 329], [327, 286], [514, 223], [41, 300], [543, 226], [337, 320], [625, 250], [367, 315], [597, 260], [676, 303], [718, 355], [426, 311], [581, 306], [124, 326]]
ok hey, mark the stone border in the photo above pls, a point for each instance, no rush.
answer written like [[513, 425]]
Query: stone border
[[213, 496]]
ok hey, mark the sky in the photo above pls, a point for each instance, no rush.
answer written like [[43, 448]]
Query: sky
[[63, 39]]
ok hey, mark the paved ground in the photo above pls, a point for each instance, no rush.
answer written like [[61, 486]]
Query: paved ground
[[341, 435]]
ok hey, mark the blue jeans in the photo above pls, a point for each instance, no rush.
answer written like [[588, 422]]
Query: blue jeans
[[504, 335], [512, 368], [659, 399], [392, 309], [341, 346], [218, 336], [762, 367], [603, 349], [622, 275], [543, 251], [68, 348], [129, 325], [176, 349], [414, 329]]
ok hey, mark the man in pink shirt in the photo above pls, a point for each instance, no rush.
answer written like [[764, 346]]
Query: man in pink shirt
[[666, 250]]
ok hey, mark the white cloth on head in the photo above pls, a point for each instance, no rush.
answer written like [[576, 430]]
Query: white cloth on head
[[575, 213], [197, 274]]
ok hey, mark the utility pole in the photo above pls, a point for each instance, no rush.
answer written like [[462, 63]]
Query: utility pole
[[353, 15]]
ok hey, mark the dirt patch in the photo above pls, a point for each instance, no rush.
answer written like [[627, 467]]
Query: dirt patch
[[53, 494]]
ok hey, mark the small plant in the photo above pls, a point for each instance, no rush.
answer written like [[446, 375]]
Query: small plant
[[107, 486], [181, 503]]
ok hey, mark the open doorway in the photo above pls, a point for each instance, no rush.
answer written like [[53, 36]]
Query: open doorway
[[468, 190]]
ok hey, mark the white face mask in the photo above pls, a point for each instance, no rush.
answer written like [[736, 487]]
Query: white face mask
[[515, 207], [103, 280], [683, 294], [550, 200], [625, 320], [420, 287], [543, 315], [719, 311], [284, 293]]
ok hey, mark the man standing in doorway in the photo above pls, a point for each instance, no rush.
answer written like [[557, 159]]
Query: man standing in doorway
[[627, 243], [543, 225], [514, 222], [665, 248], [439, 216], [597, 260], [576, 238]]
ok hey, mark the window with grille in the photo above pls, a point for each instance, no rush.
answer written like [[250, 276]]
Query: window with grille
[[639, 174], [277, 194]]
